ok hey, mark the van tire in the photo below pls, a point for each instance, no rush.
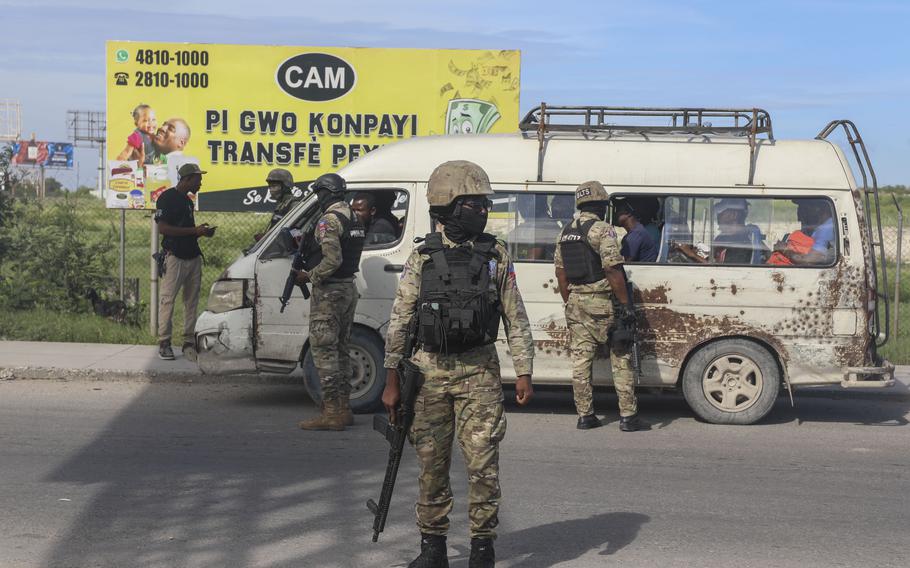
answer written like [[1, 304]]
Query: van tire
[[368, 354], [731, 381]]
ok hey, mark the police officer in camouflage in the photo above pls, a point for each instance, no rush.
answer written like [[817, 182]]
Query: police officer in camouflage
[[455, 290], [598, 310], [283, 192], [334, 260]]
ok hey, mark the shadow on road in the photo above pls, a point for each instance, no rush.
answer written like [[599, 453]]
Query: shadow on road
[[662, 409], [564, 541], [200, 479]]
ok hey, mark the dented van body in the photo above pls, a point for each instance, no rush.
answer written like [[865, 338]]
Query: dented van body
[[729, 334]]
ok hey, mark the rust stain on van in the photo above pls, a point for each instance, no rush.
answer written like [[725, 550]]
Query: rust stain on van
[[657, 295], [779, 279]]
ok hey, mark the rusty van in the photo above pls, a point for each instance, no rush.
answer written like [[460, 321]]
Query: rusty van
[[770, 274]]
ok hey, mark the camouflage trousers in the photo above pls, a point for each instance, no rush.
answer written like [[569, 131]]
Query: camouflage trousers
[[589, 317], [461, 398], [332, 309]]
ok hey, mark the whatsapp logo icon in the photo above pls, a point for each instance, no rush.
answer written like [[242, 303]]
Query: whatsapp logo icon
[[122, 56]]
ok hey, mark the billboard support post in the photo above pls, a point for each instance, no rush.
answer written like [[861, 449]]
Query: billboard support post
[[122, 253], [153, 279]]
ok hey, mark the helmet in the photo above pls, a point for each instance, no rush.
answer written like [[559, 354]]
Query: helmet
[[281, 176], [333, 183], [454, 179], [590, 191], [728, 203]]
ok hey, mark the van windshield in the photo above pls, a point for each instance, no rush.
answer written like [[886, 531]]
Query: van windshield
[[300, 218]]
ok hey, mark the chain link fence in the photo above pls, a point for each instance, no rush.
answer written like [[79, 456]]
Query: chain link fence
[[235, 233], [895, 241], [116, 267]]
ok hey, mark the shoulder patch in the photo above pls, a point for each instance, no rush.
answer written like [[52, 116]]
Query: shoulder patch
[[322, 227]]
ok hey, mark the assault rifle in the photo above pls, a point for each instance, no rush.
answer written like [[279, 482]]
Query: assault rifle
[[298, 263], [410, 380], [636, 360]]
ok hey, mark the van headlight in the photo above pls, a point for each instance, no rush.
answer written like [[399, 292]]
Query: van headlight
[[227, 295]]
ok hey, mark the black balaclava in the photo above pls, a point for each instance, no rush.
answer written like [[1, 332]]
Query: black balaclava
[[327, 198], [598, 208], [464, 223]]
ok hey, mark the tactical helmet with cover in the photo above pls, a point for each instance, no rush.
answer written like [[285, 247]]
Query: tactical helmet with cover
[[282, 176], [590, 192], [333, 183], [455, 179]]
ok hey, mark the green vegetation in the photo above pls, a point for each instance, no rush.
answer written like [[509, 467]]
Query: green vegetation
[[52, 251], [42, 324]]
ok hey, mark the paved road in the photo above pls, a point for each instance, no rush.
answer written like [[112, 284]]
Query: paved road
[[114, 474]]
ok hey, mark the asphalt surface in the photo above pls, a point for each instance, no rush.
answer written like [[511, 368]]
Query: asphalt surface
[[114, 474]]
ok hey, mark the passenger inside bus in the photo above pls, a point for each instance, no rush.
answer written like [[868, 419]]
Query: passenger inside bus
[[562, 209], [637, 244], [814, 243], [736, 242], [374, 210], [534, 238]]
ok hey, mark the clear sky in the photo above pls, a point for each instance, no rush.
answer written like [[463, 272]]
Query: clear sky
[[805, 61]]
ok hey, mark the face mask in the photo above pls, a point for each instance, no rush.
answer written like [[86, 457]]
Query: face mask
[[275, 190], [599, 209], [467, 225], [325, 198]]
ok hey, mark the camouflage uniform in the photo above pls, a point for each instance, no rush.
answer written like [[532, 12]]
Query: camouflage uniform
[[461, 397], [332, 308], [285, 204], [589, 316]]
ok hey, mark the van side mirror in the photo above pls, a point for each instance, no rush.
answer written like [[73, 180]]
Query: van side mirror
[[281, 247]]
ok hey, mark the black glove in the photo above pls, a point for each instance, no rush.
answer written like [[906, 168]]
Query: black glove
[[626, 315], [621, 338]]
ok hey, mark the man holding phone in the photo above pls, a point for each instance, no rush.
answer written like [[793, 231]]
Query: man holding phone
[[183, 260]]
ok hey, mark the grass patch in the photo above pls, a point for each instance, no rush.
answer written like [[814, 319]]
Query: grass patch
[[46, 325]]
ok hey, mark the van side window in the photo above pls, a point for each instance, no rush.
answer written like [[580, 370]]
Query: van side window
[[748, 231], [383, 212], [530, 223]]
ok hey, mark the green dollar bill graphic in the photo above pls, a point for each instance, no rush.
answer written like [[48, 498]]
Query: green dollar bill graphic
[[467, 116]]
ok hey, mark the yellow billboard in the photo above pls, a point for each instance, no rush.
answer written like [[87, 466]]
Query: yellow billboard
[[241, 110]]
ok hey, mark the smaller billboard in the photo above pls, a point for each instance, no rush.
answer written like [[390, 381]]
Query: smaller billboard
[[47, 154]]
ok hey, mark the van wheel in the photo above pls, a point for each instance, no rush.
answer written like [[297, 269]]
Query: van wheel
[[367, 354], [732, 381]]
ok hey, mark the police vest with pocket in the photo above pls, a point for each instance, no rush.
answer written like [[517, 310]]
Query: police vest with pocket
[[458, 307], [353, 235], [580, 261]]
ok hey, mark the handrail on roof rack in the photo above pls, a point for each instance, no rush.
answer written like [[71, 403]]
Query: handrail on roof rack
[[681, 120]]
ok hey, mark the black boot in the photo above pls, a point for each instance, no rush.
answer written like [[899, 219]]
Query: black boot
[[482, 553], [432, 552], [632, 424], [588, 421]]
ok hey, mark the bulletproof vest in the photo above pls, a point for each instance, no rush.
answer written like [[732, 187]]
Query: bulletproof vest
[[457, 308], [579, 259], [353, 235]]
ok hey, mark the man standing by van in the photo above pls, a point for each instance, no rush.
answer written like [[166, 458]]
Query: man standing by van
[[458, 285], [334, 260], [590, 275], [183, 258]]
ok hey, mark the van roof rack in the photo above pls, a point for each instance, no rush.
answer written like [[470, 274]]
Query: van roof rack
[[648, 120]]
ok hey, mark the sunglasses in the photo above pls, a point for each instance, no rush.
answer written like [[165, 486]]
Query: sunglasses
[[477, 203]]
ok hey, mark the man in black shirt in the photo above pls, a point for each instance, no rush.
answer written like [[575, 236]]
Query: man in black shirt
[[380, 228], [183, 263]]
